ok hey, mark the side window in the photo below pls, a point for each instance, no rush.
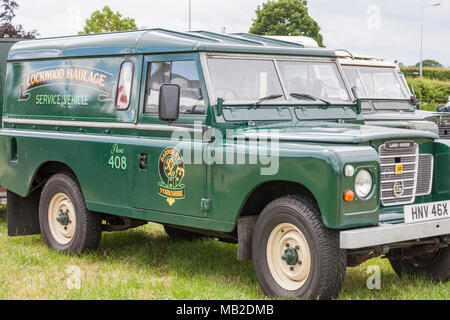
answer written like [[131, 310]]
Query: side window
[[185, 74], [182, 73], [123, 97], [159, 73]]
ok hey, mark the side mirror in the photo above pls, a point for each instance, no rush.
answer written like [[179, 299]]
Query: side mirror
[[169, 102], [414, 99]]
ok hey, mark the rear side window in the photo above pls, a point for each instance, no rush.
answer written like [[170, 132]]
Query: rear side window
[[182, 73], [125, 84]]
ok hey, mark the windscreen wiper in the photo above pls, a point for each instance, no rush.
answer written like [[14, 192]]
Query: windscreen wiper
[[271, 97], [308, 96]]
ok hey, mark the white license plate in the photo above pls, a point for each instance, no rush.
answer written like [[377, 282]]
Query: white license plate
[[427, 211]]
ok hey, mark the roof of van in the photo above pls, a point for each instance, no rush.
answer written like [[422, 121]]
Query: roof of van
[[154, 41], [10, 40], [307, 42], [348, 59]]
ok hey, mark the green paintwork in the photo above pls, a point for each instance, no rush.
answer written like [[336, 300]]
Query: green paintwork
[[290, 256], [405, 115], [441, 185], [63, 218], [315, 143], [66, 102], [5, 45], [155, 41], [405, 119]]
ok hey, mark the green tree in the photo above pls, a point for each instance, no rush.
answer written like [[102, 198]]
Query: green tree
[[429, 63], [108, 21], [7, 29], [285, 18]]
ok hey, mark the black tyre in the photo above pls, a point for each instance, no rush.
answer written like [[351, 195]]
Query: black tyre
[[179, 234], [294, 254], [66, 225], [434, 266]]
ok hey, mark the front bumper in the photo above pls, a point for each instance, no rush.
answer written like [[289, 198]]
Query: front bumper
[[392, 233]]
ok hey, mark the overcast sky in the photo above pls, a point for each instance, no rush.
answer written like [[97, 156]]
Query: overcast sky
[[386, 28]]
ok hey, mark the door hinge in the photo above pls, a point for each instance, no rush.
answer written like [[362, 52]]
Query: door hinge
[[205, 205]]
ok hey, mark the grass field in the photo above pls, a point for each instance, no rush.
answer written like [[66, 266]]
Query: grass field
[[145, 264]]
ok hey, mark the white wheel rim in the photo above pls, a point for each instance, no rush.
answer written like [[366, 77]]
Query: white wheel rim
[[285, 237], [61, 208]]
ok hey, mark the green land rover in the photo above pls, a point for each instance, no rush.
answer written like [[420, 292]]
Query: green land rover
[[386, 97], [246, 139]]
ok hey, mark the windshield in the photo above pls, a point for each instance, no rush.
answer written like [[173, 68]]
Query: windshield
[[318, 79], [375, 83], [241, 80], [244, 80]]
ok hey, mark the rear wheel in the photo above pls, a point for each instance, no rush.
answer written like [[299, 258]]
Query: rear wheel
[[434, 266], [66, 225], [294, 254]]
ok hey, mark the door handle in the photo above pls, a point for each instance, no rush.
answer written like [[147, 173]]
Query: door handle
[[143, 161]]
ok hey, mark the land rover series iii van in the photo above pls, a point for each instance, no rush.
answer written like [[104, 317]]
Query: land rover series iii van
[[246, 139], [387, 99]]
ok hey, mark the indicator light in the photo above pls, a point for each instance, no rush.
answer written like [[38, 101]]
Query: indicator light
[[349, 196]]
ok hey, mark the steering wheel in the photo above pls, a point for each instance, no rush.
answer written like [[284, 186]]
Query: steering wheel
[[193, 110]]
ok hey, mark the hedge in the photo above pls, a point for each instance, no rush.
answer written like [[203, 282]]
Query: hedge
[[442, 74], [432, 91]]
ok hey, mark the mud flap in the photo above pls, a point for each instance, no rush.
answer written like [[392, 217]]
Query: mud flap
[[246, 225], [22, 214]]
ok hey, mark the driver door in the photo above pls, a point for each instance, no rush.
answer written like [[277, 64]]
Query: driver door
[[171, 176]]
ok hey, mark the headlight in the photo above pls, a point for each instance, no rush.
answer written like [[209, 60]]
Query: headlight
[[363, 183]]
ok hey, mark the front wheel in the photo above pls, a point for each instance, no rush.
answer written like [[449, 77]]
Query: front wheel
[[294, 254], [66, 224], [434, 266]]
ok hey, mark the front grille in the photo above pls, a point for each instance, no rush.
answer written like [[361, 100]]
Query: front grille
[[416, 178], [444, 128], [397, 189], [425, 176]]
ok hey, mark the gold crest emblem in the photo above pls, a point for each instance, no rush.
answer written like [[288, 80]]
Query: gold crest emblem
[[171, 172]]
